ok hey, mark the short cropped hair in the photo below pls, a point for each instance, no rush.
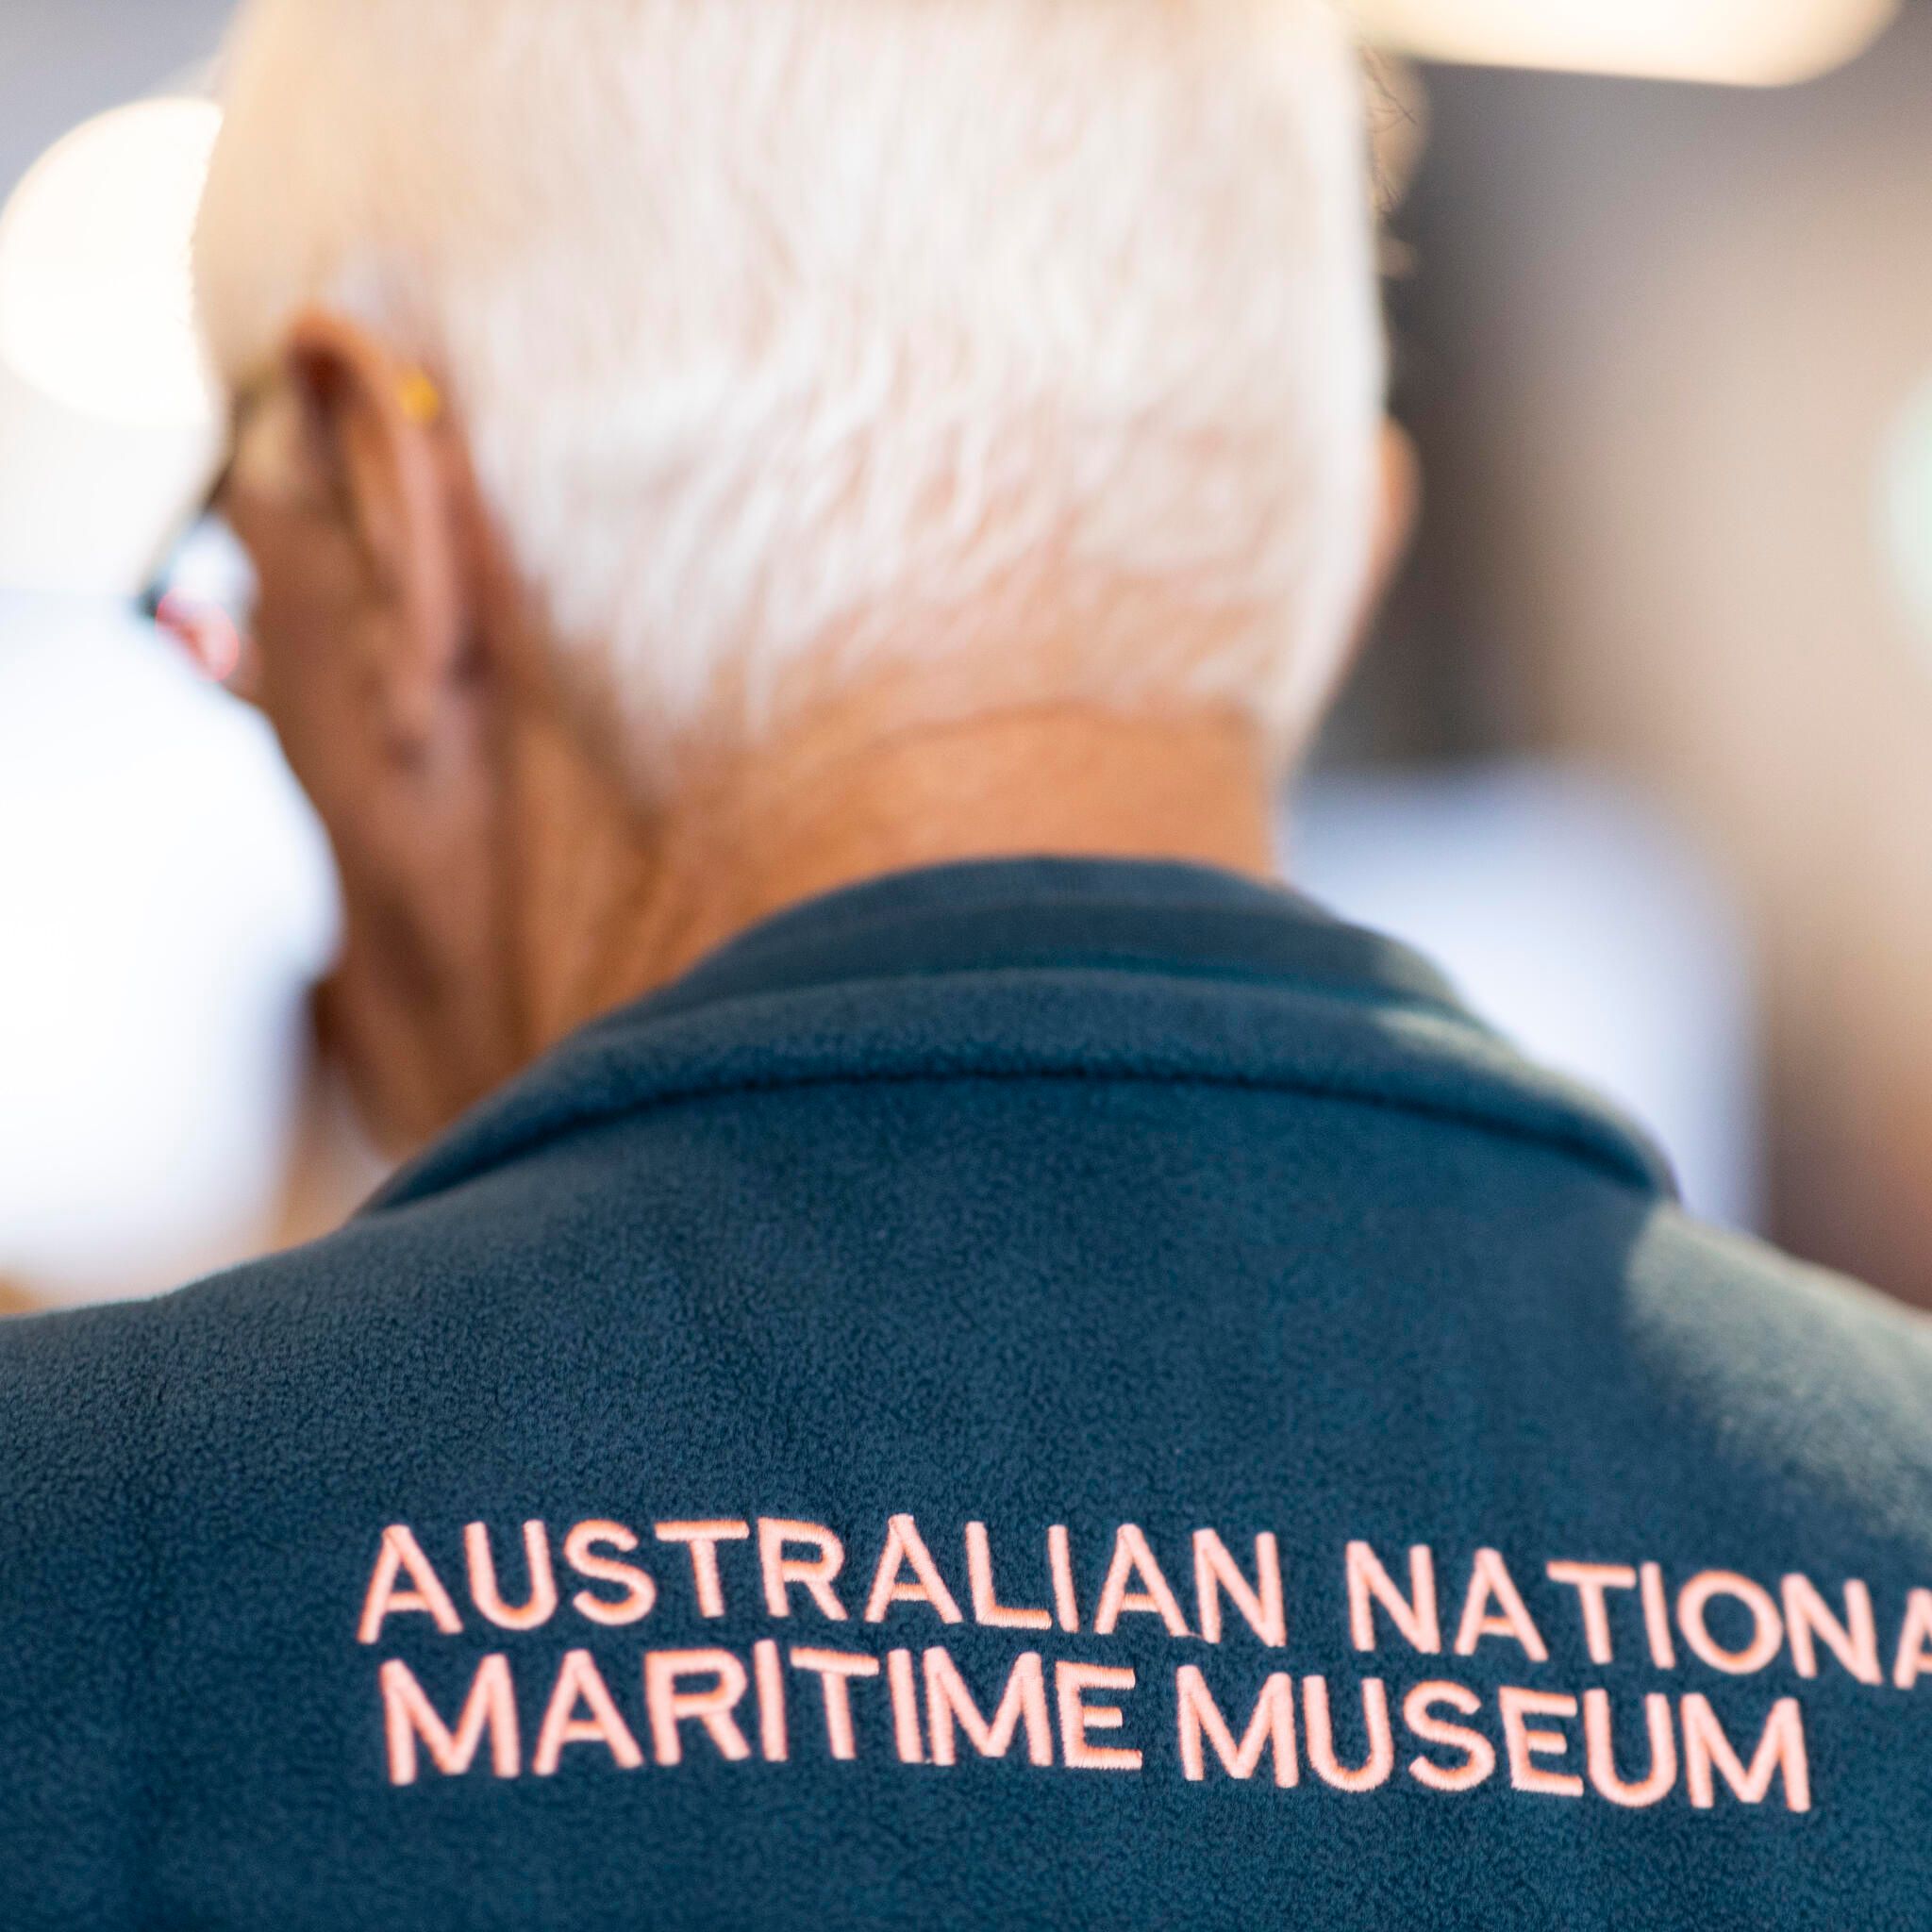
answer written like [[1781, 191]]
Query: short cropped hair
[[850, 334]]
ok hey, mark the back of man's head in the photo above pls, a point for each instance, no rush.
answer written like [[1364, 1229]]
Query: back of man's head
[[1027, 345]]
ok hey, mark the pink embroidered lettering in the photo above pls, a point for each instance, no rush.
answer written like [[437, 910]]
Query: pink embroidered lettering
[[407, 1714], [1132, 1558], [1592, 1581], [401, 1553], [670, 1707], [1913, 1659], [1600, 1751], [542, 1606], [1780, 1749], [815, 1572], [948, 1703], [1060, 1560], [1854, 1642], [1478, 1754], [770, 1679], [1271, 1724], [1078, 1718], [1414, 1615], [1768, 1629], [1727, 1621], [1215, 1570], [987, 1607], [1375, 1769], [640, 1591], [1523, 1746], [904, 1545], [835, 1670], [704, 1539], [905, 1696], [580, 1682], [1657, 1616], [1489, 1582]]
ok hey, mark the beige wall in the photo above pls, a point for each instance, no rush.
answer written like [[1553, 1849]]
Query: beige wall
[[1664, 335]]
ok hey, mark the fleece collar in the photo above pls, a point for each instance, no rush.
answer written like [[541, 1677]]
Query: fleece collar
[[1044, 968]]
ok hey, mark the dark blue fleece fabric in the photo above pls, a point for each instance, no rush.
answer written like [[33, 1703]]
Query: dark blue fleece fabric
[[1035, 1394]]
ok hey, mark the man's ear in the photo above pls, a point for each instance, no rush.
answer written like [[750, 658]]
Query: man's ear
[[396, 493]]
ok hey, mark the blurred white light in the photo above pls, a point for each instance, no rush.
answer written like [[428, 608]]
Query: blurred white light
[[1907, 508], [96, 297], [1741, 42], [167, 899], [109, 427]]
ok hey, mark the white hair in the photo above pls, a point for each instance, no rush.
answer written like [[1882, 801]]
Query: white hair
[[851, 333]]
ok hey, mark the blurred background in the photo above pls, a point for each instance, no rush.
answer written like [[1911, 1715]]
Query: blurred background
[[1642, 751]]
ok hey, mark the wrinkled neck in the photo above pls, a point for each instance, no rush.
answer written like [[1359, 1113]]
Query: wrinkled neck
[[839, 803]]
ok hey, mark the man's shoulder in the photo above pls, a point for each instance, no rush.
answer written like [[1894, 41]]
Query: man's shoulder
[[1689, 1277], [61, 1374], [1823, 1376], [76, 1385]]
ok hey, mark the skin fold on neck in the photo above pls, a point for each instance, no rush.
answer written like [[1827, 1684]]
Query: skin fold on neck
[[839, 801]]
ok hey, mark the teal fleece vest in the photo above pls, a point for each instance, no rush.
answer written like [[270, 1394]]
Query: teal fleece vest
[[1033, 1394]]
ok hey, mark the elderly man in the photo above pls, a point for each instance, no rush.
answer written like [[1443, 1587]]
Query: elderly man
[[969, 1361]]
